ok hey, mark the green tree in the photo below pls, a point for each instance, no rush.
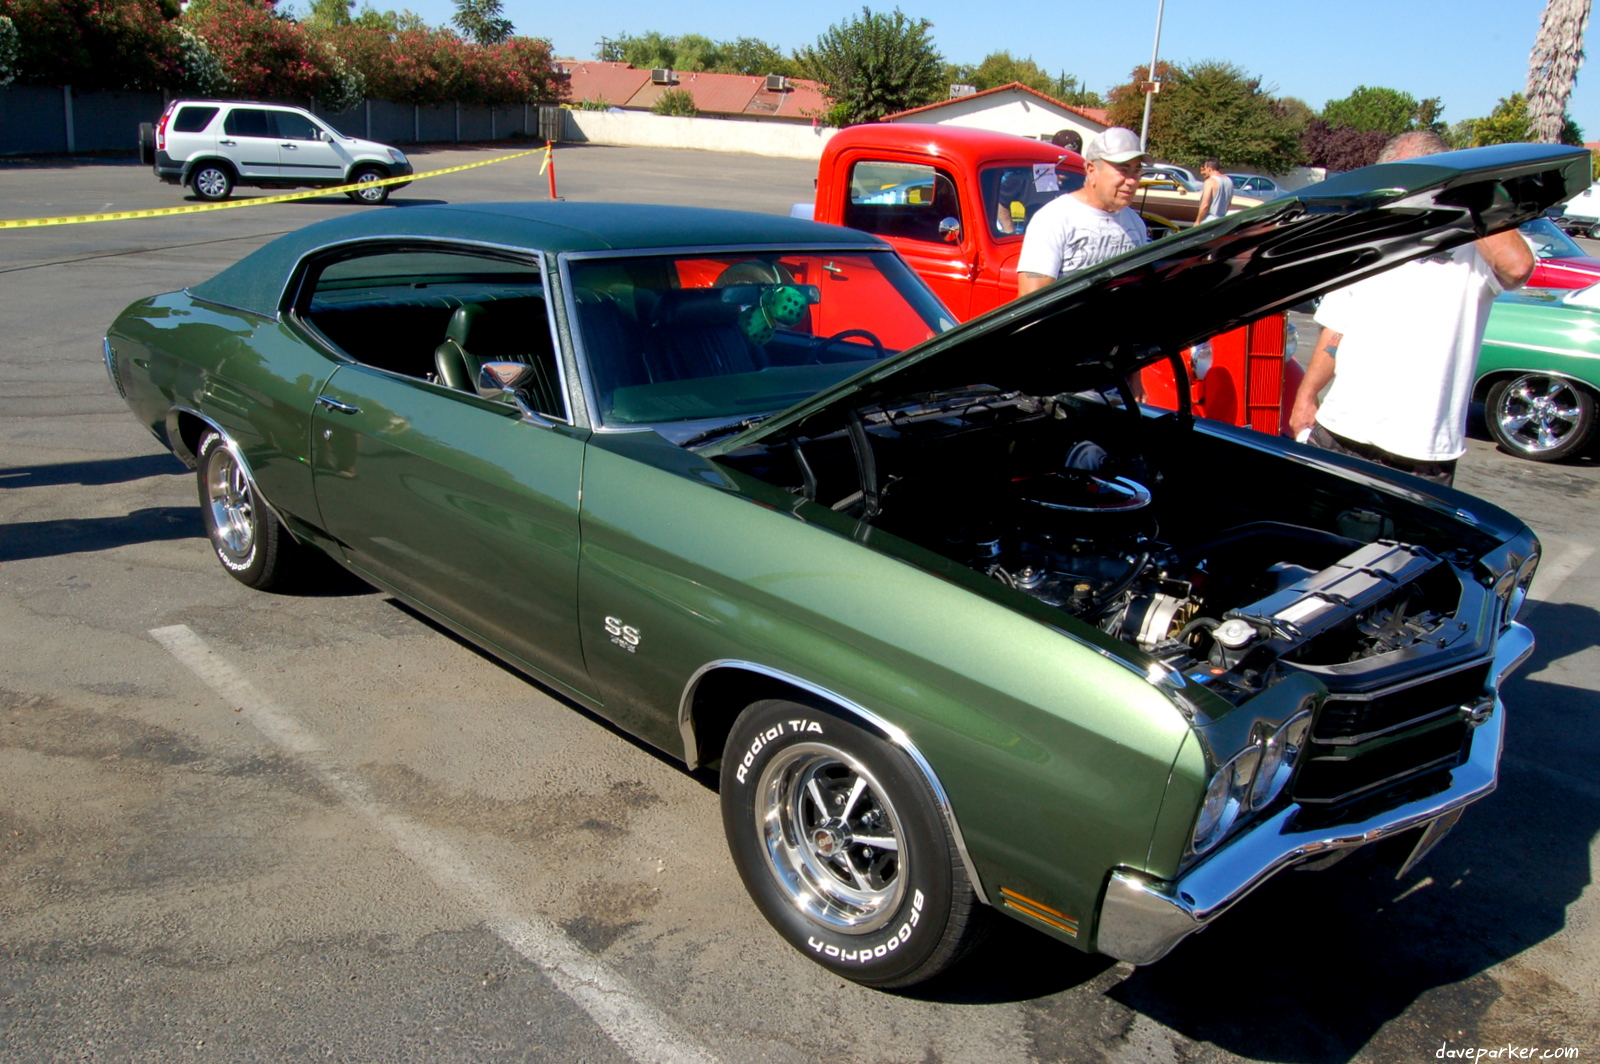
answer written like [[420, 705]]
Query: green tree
[[748, 55], [675, 102], [1001, 68], [1510, 123], [1068, 89], [874, 65], [693, 52], [1211, 108], [390, 22], [1429, 116], [1553, 68], [1373, 109], [483, 21], [330, 13]]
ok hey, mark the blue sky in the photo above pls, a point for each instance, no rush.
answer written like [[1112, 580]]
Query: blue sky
[[1468, 52]]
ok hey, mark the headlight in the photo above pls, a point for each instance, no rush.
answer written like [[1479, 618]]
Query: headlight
[[397, 155], [1278, 756], [1225, 798], [1252, 780], [1200, 357]]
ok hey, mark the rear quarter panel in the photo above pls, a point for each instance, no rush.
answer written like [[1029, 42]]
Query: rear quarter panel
[[251, 376], [1535, 331]]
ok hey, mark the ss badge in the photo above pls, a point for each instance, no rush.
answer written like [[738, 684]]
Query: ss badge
[[622, 635]]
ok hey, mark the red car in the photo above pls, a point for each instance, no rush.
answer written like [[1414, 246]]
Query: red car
[[1559, 261]]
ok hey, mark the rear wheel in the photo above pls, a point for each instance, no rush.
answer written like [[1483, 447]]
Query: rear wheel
[[212, 182], [1594, 232], [249, 541], [147, 144], [1541, 416], [840, 843], [371, 194]]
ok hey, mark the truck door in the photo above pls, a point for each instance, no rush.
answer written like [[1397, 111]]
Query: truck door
[[917, 208]]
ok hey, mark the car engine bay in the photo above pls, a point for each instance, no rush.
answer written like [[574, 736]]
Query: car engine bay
[[1171, 540]]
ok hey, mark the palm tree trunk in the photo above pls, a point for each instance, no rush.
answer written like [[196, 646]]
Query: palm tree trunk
[[1553, 66]]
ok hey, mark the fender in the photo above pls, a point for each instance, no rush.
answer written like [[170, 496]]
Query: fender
[[874, 723]]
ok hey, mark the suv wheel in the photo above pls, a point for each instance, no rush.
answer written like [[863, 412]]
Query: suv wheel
[[372, 194], [147, 144], [212, 182]]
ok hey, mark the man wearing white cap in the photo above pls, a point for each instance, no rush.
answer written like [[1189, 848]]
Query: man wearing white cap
[[1095, 223]]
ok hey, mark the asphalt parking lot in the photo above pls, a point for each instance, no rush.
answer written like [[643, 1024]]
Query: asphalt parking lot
[[241, 826]]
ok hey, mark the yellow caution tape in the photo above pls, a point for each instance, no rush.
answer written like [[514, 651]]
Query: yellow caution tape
[[255, 201]]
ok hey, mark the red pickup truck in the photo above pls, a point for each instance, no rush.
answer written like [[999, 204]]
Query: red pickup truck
[[956, 203]]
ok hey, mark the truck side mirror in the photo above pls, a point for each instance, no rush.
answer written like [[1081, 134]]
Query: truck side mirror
[[950, 230]]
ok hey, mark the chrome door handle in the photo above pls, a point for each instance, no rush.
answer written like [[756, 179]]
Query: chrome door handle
[[335, 405], [227, 143], [287, 144]]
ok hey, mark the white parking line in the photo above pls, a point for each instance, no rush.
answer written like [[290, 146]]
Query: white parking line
[[619, 1010]]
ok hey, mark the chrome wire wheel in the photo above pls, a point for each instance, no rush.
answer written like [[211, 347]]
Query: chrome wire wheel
[[1540, 415], [831, 838], [233, 511]]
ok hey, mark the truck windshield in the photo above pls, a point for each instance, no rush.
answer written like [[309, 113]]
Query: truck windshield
[[693, 338], [1014, 192]]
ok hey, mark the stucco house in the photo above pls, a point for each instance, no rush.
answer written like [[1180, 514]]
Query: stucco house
[[1012, 108]]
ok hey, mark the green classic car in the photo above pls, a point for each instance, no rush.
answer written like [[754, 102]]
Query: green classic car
[[962, 627], [1539, 371]]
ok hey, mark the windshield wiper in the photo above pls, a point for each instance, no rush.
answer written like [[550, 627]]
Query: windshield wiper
[[719, 431]]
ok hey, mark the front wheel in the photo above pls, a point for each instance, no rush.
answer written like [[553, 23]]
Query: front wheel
[[370, 192], [1540, 416], [841, 845], [246, 535]]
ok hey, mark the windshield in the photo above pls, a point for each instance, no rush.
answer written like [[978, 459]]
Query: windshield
[[688, 340], [1548, 242], [1014, 192]]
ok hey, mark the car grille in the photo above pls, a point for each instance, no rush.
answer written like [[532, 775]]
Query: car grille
[[1347, 719], [1362, 745]]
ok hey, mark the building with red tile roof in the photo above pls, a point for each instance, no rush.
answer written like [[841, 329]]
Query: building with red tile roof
[[715, 95], [1013, 108]]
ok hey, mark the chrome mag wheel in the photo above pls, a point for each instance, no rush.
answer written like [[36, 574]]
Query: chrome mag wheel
[[1541, 416], [212, 183], [233, 511], [831, 838], [370, 191]]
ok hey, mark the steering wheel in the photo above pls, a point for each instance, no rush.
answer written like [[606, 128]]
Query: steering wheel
[[819, 352]]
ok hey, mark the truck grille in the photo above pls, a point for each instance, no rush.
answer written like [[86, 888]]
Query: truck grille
[[1350, 719]]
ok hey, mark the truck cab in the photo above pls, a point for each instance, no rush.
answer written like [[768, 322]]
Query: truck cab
[[956, 203]]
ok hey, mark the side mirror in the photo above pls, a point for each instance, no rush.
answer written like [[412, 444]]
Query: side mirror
[[496, 379], [510, 379], [950, 230]]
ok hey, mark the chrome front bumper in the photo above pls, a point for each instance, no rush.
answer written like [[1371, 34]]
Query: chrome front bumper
[[1142, 918]]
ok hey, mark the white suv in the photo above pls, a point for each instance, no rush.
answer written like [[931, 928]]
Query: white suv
[[213, 146]]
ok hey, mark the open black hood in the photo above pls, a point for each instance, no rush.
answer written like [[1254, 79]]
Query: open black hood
[[1096, 327]]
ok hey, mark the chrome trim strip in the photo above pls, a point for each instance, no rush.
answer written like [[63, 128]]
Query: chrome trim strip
[[1143, 918], [893, 733]]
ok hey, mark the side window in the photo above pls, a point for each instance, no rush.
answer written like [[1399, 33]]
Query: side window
[[1014, 192], [906, 200], [293, 126], [248, 122], [437, 315], [193, 119]]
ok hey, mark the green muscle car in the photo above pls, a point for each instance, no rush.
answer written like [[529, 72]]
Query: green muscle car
[[964, 629], [1539, 371]]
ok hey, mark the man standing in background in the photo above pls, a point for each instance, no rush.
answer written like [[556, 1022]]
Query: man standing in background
[[1401, 348], [1093, 224], [1216, 195]]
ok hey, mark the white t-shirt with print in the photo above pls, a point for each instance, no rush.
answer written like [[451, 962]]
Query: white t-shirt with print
[[1067, 235], [1403, 374]]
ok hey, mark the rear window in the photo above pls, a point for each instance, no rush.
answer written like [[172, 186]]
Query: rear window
[[193, 119], [906, 200]]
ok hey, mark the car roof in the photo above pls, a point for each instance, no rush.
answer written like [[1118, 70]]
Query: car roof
[[256, 282], [949, 142]]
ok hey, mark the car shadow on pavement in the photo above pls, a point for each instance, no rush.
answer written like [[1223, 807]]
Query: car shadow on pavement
[[95, 471], [49, 539], [1349, 958]]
